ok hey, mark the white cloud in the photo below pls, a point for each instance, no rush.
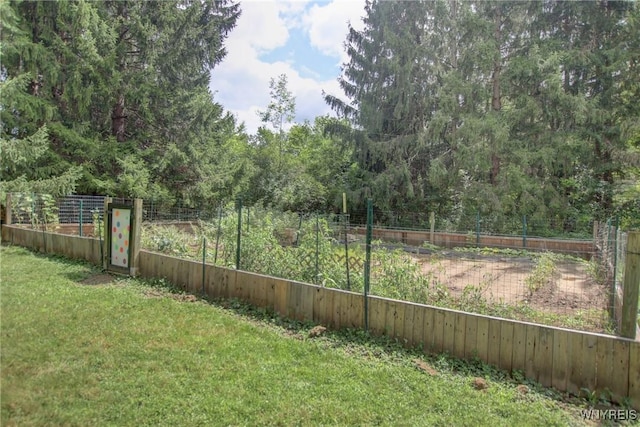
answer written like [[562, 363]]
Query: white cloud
[[328, 28], [241, 81]]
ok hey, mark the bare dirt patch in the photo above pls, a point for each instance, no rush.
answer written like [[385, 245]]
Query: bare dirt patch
[[98, 279], [569, 289]]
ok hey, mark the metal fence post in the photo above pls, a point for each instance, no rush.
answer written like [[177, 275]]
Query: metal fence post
[[317, 248], [524, 231], [215, 256], [80, 219], [204, 261], [367, 263], [346, 249], [239, 207], [477, 229]]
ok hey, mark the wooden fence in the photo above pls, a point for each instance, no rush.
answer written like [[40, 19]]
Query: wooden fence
[[580, 248], [564, 359]]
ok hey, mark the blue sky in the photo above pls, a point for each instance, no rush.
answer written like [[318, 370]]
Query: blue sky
[[302, 39]]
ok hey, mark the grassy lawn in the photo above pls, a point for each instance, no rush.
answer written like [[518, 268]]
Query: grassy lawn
[[76, 350]]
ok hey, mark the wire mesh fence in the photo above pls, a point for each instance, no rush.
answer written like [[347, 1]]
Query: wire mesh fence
[[505, 277], [611, 249]]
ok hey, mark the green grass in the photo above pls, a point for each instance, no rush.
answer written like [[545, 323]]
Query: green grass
[[132, 353]]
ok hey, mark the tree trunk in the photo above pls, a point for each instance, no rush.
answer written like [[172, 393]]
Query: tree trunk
[[118, 119]]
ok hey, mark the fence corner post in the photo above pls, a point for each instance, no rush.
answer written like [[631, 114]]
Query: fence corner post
[[631, 286]]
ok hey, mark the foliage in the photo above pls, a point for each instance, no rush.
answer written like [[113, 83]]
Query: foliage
[[123, 90], [166, 239], [543, 272], [39, 209], [507, 108]]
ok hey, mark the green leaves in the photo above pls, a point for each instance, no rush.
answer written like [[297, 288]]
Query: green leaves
[[495, 104]]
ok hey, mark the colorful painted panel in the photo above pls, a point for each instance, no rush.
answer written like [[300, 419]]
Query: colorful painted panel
[[120, 232]]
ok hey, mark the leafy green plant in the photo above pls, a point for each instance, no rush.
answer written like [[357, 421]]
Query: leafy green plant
[[166, 239], [96, 220], [49, 211], [543, 272]]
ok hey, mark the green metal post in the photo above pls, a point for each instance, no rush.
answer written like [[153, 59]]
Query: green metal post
[[100, 237], [477, 229], [204, 261], [80, 230], [215, 256], [346, 250], [367, 263], [239, 206], [524, 231], [298, 233], [317, 247], [612, 293]]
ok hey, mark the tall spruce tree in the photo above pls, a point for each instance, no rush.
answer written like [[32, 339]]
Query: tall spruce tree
[[509, 109], [126, 90]]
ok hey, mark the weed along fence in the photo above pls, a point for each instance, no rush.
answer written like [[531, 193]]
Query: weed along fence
[[420, 300]]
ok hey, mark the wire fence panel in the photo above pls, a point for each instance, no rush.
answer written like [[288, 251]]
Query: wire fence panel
[[564, 282]]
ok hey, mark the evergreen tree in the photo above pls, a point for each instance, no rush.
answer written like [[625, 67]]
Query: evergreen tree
[[509, 109]]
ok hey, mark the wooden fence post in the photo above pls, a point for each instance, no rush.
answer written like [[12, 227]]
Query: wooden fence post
[[631, 286], [7, 211], [135, 241], [107, 233]]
